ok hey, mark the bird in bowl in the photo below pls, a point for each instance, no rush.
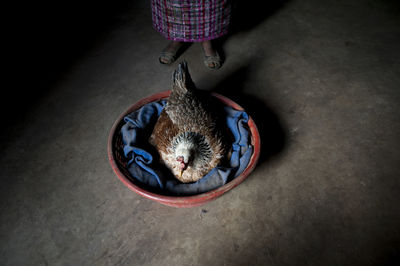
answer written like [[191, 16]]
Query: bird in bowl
[[187, 135]]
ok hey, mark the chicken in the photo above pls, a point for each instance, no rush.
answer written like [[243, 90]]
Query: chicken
[[186, 134]]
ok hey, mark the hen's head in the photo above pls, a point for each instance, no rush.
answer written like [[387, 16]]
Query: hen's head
[[184, 153], [191, 150]]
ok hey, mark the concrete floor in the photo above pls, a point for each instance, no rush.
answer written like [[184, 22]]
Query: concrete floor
[[321, 78]]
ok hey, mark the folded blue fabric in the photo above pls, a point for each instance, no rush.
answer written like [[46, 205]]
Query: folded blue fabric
[[137, 129]]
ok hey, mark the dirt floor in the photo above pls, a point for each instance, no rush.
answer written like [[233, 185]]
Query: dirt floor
[[320, 78]]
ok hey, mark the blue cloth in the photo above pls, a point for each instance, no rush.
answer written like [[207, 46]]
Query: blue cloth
[[137, 129]]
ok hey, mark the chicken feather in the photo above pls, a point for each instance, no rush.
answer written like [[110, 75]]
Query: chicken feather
[[186, 134]]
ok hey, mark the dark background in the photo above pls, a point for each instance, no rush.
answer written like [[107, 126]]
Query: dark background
[[321, 80], [44, 39]]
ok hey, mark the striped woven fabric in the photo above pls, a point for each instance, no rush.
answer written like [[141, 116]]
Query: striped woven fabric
[[191, 20]]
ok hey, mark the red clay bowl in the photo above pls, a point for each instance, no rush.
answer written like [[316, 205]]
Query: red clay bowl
[[118, 166]]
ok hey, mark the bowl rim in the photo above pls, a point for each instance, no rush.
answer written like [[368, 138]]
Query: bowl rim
[[191, 200]]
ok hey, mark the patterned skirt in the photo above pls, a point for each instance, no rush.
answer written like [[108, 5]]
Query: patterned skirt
[[191, 20]]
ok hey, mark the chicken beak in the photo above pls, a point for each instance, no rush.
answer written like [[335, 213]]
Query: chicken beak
[[181, 173]]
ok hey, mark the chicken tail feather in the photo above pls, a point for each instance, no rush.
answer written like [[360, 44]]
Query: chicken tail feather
[[182, 82]]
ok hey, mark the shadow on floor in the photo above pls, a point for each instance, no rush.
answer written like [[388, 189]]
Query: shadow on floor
[[248, 14], [46, 39], [272, 133]]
